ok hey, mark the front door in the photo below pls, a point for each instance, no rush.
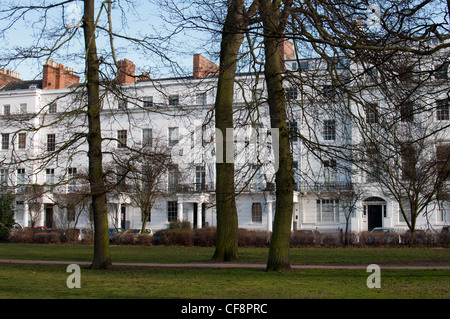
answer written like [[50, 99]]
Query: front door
[[374, 216], [194, 222], [49, 215]]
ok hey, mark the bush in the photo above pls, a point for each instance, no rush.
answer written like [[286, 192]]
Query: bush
[[205, 237], [21, 236], [253, 238], [46, 238], [180, 225], [143, 239], [378, 239], [303, 238], [443, 239], [180, 237]]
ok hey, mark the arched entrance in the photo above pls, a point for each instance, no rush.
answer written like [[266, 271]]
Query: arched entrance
[[374, 210]]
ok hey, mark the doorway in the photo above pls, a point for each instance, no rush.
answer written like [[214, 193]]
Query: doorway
[[374, 210], [374, 216], [48, 215]]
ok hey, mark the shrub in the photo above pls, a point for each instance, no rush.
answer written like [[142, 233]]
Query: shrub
[[205, 237], [21, 236], [143, 239], [302, 238], [46, 238], [182, 237], [253, 238], [126, 239], [180, 225]]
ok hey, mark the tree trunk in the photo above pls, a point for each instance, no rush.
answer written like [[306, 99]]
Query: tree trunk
[[278, 259], [102, 258], [227, 221]]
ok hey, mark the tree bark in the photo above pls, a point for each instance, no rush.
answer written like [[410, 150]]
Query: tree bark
[[102, 259], [278, 259], [227, 221]]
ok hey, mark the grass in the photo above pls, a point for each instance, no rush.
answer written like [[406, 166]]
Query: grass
[[178, 254], [49, 282]]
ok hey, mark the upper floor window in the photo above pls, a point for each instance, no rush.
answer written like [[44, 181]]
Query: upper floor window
[[442, 110], [23, 108], [148, 101], [147, 137], [22, 140], [407, 111], [53, 108], [291, 93], [371, 110], [3, 179], [329, 130], [121, 138], [5, 141], [51, 142], [6, 109], [443, 161], [201, 98], [122, 104], [173, 136], [293, 131], [174, 100], [72, 171]]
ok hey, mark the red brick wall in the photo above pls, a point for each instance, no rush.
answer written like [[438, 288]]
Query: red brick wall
[[203, 67], [126, 71], [56, 76]]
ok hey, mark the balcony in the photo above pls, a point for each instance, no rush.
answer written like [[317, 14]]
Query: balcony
[[191, 188], [326, 186]]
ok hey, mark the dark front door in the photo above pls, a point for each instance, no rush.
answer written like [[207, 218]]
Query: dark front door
[[195, 216], [49, 215], [123, 216], [374, 213]]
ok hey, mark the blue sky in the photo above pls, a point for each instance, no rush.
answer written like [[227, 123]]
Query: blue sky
[[143, 19]]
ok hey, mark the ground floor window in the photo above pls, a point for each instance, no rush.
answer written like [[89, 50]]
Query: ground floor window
[[327, 210], [172, 211], [256, 213]]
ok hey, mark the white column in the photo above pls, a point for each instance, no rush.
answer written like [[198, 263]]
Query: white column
[[199, 215], [180, 211], [269, 215], [25, 214]]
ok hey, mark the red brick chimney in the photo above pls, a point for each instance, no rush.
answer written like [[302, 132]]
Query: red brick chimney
[[126, 71], [286, 52], [57, 76], [203, 67], [7, 76]]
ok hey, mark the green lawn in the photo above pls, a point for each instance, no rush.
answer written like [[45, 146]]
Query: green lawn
[[176, 254], [49, 282]]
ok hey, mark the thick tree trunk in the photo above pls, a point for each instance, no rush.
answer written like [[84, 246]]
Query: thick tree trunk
[[102, 258], [227, 221], [278, 259]]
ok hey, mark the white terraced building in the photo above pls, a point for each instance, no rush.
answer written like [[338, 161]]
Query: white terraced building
[[176, 115]]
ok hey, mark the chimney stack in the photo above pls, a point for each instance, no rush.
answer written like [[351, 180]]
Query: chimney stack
[[126, 71], [202, 67], [8, 76], [57, 76], [286, 52]]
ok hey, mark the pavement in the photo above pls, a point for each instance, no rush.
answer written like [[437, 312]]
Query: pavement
[[228, 265]]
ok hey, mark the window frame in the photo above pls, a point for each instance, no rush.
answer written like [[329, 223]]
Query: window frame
[[257, 212]]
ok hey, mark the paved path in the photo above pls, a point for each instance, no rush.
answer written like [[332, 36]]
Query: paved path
[[227, 265]]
